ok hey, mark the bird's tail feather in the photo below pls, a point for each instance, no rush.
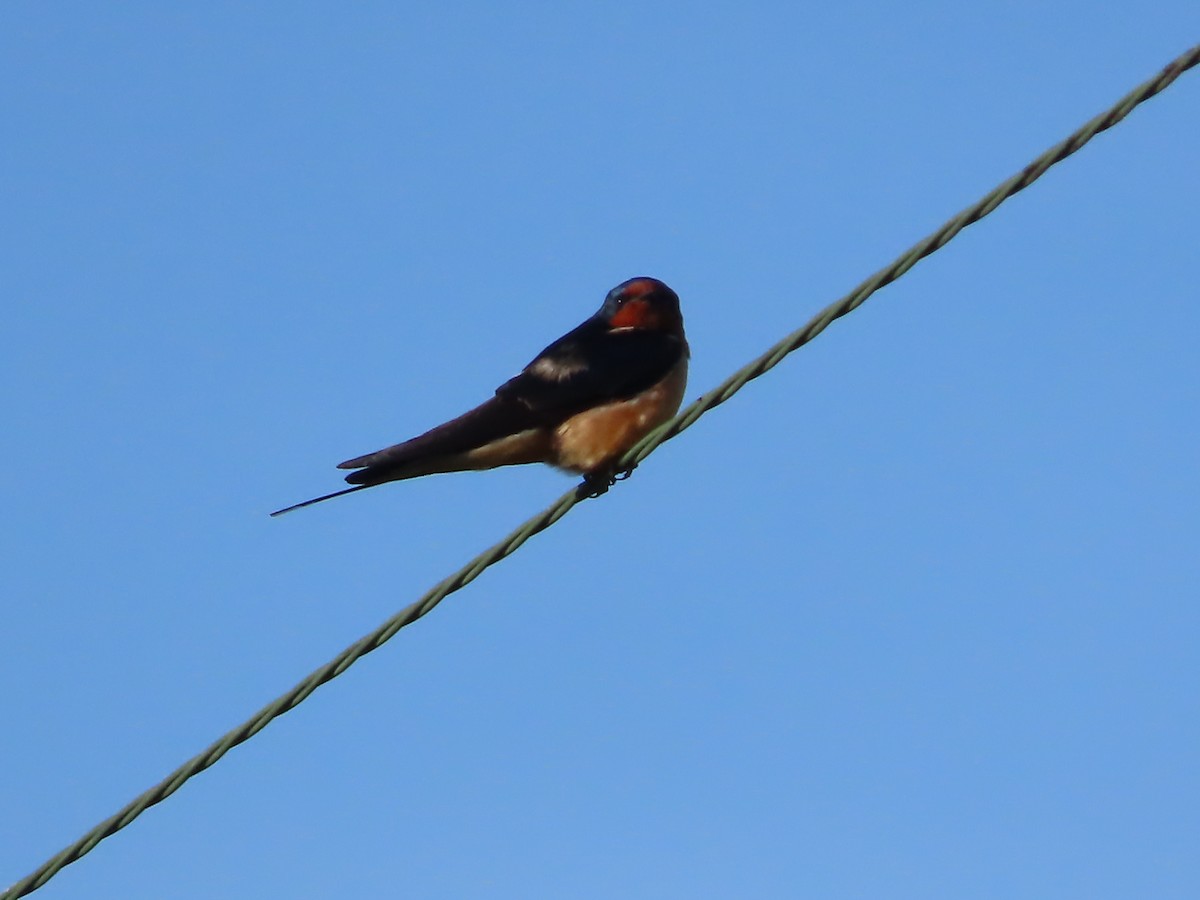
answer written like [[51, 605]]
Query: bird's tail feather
[[350, 490]]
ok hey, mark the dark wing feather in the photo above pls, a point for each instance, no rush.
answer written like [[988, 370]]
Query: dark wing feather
[[589, 366], [490, 421]]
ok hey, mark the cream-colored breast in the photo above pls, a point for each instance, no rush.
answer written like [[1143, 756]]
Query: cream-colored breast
[[593, 440]]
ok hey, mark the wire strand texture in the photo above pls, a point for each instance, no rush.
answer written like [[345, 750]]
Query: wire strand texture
[[644, 448]]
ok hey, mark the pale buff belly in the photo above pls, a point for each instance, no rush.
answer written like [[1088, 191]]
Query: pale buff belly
[[594, 439]]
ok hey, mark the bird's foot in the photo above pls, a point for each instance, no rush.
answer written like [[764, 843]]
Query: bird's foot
[[597, 483]]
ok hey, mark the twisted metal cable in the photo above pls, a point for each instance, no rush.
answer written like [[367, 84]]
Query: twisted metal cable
[[563, 505], [911, 257]]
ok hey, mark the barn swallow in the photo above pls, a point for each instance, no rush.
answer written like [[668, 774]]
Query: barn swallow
[[579, 406]]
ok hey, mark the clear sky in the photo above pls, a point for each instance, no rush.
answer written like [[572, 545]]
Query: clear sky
[[915, 615]]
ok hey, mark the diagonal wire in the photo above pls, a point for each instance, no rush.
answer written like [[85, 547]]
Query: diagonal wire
[[911, 257], [549, 516]]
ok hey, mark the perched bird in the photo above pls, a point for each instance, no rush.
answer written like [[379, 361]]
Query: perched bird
[[581, 403]]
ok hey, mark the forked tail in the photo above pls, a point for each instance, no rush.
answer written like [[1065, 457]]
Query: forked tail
[[350, 490]]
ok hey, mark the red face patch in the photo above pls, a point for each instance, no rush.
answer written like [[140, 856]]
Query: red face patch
[[635, 314], [639, 287]]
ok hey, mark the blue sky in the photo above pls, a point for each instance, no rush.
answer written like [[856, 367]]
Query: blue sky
[[913, 616]]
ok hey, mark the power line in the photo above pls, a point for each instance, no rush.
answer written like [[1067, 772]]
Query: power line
[[549, 516]]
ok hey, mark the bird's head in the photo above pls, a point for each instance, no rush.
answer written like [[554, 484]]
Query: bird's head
[[642, 303]]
